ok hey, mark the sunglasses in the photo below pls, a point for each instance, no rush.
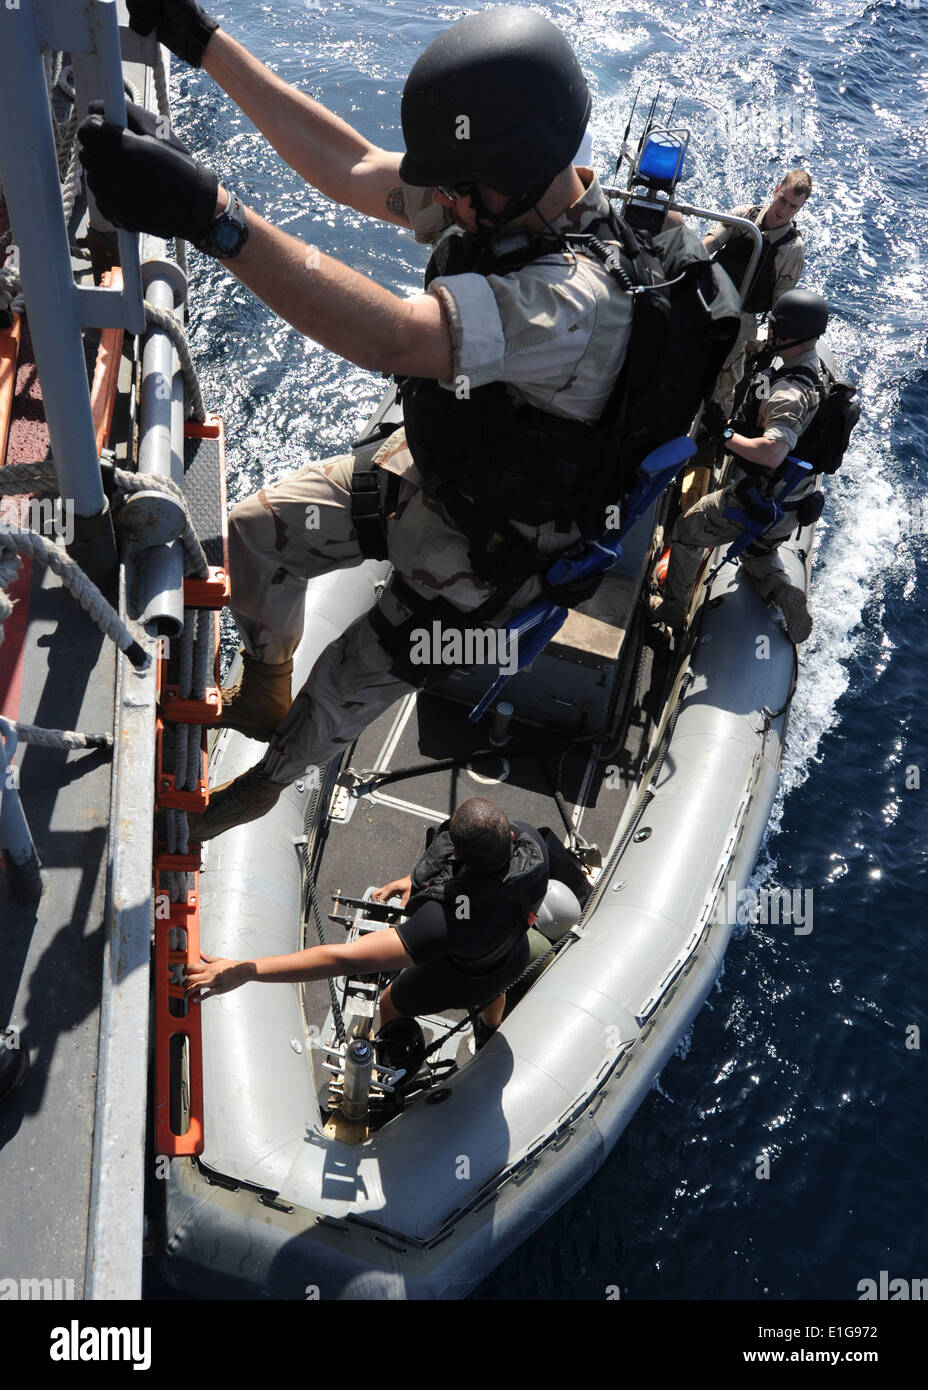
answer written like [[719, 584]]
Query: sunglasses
[[463, 192]]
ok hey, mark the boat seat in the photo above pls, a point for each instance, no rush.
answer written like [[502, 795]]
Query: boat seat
[[574, 680]]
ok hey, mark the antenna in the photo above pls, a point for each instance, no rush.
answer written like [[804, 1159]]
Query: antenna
[[644, 135], [628, 127], [650, 121]]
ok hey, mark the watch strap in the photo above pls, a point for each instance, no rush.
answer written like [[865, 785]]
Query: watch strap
[[228, 232]]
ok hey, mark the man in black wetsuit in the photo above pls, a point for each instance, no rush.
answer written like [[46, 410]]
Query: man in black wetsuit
[[474, 894]]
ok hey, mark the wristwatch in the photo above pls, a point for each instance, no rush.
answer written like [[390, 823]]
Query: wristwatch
[[727, 434], [228, 234]]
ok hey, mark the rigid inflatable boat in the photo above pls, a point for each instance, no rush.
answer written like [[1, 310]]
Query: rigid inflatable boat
[[664, 765], [291, 1165]]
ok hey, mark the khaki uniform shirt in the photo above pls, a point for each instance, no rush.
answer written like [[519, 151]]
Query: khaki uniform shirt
[[788, 411], [788, 261], [555, 332]]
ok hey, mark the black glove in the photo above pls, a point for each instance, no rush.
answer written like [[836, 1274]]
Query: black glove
[[181, 25], [144, 183], [144, 122], [712, 423]]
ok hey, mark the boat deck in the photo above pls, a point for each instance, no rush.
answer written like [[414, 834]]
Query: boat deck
[[59, 672], [383, 832], [51, 953]]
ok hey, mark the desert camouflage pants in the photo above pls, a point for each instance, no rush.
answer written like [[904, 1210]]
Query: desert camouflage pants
[[734, 364], [705, 526], [300, 528]]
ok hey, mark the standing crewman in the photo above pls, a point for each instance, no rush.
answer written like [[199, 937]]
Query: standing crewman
[[776, 273], [778, 408], [508, 359]]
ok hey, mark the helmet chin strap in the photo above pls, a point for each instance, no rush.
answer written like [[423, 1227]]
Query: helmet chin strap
[[793, 342], [518, 204]]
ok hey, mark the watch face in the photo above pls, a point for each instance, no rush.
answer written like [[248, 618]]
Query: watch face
[[227, 235]]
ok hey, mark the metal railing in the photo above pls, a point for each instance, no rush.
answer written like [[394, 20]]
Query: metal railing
[[58, 308], [742, 224]]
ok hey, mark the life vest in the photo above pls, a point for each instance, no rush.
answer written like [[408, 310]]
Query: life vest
[[825, 439], [510, 895], [490, 461], [761, 387], [734, 256], [747, 422]]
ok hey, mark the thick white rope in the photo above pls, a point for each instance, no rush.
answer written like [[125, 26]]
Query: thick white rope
[[9, 570], [31, 733], [11, 287], [171, 324], [161, 85], [41, 479], [61, 738], [25, 542]]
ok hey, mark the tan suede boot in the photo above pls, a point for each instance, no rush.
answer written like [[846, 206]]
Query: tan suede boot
[[260, 700], [791, 601], [244, 799]]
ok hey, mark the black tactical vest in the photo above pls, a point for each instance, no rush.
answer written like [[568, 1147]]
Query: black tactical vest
[[734, 257], [760, 387], [489, 460], [514, 460], [747, 419], [506, 897]]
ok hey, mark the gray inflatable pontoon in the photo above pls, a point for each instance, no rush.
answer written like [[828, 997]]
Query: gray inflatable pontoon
[[281, 1204]]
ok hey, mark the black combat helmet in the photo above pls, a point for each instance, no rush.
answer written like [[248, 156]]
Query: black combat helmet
[[796, 317], [497, 99]]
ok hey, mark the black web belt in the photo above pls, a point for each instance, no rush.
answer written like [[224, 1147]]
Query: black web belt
[[374, 494]]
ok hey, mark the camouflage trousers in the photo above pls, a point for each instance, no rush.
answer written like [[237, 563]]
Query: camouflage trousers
[[733, 367], [300, 528], [706, 526]]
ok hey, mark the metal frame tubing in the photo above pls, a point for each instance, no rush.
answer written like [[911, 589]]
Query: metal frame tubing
[[15, 835], [742, 223], [161, 447], [29, 169]]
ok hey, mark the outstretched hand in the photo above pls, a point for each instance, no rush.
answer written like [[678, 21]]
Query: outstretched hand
[[215, 975], [182, 25], [402, 886], [144, 179]]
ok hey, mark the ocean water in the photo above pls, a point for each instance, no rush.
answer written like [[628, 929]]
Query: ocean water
[[805, 1063]]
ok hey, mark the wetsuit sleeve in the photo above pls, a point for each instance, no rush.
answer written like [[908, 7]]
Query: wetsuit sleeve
[[425, 934], [432, 857]]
